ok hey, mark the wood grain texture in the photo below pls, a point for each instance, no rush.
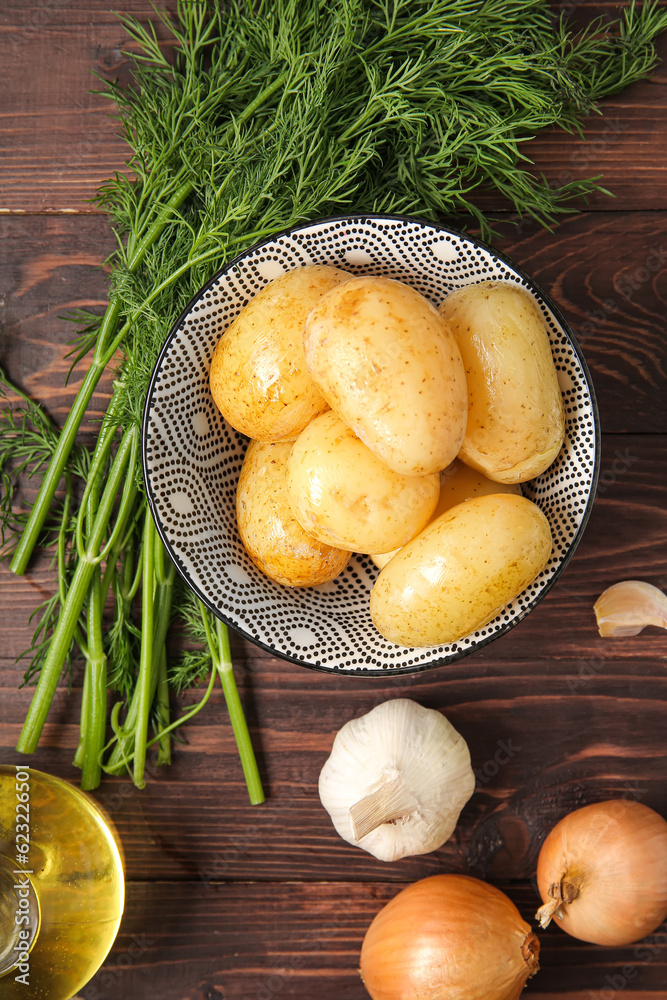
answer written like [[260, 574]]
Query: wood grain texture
[[227, 901], [185, 943], [58, 132], [62, 143], [51, 267]]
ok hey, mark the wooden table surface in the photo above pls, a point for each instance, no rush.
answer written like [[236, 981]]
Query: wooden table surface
[[229, 901]]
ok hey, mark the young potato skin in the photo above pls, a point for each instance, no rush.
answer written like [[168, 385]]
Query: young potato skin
[[343, 494], [458, 482], [516, 420], [461, 570], [388, 366], [258, 377], [271, 535]]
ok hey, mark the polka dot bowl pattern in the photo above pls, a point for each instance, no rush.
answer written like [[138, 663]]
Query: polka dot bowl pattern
[[192, 458]]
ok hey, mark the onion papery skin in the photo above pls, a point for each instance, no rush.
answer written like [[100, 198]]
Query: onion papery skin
[[616, 854], [448, 937]]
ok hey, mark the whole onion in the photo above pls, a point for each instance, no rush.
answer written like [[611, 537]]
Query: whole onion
[[602, 873], [448, 936]]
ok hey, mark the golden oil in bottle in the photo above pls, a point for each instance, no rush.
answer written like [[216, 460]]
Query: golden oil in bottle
[[61, 886]]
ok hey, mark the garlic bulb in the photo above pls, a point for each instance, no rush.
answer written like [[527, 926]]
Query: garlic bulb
[[396, 780], [626, 608]]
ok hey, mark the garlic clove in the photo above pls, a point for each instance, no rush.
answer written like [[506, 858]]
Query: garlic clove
[[396, 780], [628, 607]]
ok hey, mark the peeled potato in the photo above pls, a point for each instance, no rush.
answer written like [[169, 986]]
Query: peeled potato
[[461, 570], [271, 535], [259, 379], [458, 482], [516, 421], [388, 366], [346, 496]]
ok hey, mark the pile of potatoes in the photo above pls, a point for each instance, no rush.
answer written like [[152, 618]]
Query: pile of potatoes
[[380, 424]]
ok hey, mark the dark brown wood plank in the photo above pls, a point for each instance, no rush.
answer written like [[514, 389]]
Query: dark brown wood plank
[[206, 942], [51, 267], [536, 757], [59, 138]]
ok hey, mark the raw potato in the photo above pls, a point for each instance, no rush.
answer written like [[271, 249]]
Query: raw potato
[[458, 482], [461, 570], [273, 538], [346, 496], [259, 379], [516, 422], [389, 367]]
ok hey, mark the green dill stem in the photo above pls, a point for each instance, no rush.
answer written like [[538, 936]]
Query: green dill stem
[[154, 231], [78, 590], [111, 568], [237, 718], [162, 711], [80, 753], [93, 487], [222, 660], [62, 562], [165, 573], [96, 670], [125, 736], [90, 739], [135, 727], [222, 666], [147, 671], [187, 715]]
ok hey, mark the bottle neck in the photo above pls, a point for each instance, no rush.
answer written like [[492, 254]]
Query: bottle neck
[[19, 914]]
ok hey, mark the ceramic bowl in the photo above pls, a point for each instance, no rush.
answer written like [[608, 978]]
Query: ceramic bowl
[[192, 458]]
